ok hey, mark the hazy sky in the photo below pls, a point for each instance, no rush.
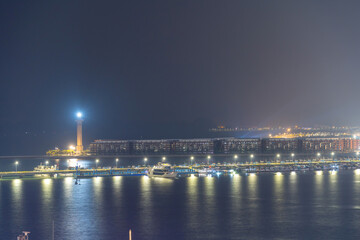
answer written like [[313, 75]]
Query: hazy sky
[[175, 68]]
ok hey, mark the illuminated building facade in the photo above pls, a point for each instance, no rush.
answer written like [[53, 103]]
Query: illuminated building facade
[[280, 145], [224, 146]]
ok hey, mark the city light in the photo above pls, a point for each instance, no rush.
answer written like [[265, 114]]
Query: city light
[[72, 147], [293, 154], [278, 174], [79, 114], [235, 156], [318, 154], [252, 156], [16, 164], [357, 171], [277, 155], [192, 158], [145, 159], [293, 173], [319, 172], [164, 158], [332, 153], [47, 162], [208, 157]]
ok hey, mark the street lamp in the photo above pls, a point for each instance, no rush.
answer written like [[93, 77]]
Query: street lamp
[[164, 159], [145, 160], [191, 159], [96, 162], [251, 157], [16, 164], [47, 162], [208, 159], [116, 162]]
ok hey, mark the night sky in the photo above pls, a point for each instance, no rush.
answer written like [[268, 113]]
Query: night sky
[[159, 69]]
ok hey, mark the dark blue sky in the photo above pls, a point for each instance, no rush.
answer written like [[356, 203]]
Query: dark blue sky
[[173, 68]]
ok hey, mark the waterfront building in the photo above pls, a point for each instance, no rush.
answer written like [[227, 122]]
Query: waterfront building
[[192, 146], [237, 145], [145, 147], [110, 147], [224, 146], [280, 145]]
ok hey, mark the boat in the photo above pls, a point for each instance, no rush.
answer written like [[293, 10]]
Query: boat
[[23, 236], [162, 170], [45, 168]]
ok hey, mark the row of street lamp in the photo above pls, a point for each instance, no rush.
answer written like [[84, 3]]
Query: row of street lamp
[[191, 159], [17, 163]]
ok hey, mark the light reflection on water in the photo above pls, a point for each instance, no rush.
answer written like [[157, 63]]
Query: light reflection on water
[[258, 207]]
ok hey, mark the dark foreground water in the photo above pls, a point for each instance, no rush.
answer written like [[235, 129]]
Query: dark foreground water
[[307, 206]]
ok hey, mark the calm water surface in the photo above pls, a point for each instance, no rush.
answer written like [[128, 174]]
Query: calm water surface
[[304, 206]]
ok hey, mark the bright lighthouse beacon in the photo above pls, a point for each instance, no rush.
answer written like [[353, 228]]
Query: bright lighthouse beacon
[[79, 145]]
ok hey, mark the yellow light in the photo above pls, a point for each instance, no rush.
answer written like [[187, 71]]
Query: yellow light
[[47, 180], [333, 172], [252, 174], [278, 174], [72, 147], [293, 173], [192, 158], [192, 175], [357, 171], [236, 156], [319, 172], [208, 157]]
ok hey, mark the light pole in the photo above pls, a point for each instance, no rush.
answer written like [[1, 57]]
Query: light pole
[[191, 159], [333, 156], [235, 157], [96, 163], [16, 164], [318, 155], [208, 159], [163, 159], [46, 163], [278, 157], [116, 162], [251, 158], [292, 156], [145, 160]]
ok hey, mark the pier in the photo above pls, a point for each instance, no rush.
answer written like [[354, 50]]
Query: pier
[[244, 167]]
